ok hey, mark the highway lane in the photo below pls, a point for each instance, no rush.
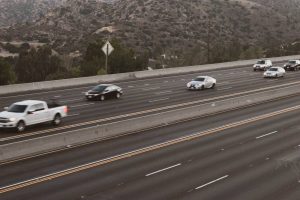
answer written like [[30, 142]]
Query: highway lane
[[234, 163], [141, 97]]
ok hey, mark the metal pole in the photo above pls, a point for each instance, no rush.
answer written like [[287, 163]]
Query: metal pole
[[106, 60]]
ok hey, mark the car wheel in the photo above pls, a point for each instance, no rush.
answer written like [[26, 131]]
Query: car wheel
[[213, 85], [254, 69], [202, 87], [20, 126], [102, 98], [118, 95], [57, 120]]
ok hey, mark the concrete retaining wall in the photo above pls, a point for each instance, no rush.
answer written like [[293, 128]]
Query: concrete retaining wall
[[128, 76], [53, 142]]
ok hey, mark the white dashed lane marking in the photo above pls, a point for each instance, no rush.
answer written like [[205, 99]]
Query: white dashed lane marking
[[266, 135], [211, 182], [165, 169]]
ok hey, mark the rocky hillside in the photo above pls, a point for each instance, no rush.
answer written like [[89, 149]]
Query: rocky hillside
[[22, 11], [157, 26]]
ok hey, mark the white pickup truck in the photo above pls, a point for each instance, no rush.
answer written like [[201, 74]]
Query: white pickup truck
[[30, 112]]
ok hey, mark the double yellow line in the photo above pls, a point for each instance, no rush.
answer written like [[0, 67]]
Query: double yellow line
[[140, 151]]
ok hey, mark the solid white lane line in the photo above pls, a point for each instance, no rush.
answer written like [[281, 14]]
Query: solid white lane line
[[71, 100], [222, 83], [164, 92], [156, 100], [209, 183], [225, 88], [81, 105], [153, 88], [258, 137], [76, 114], [161, 170], [37, 93]]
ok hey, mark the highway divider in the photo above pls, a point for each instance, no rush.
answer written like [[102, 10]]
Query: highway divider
[[67, 139], [24, 87]]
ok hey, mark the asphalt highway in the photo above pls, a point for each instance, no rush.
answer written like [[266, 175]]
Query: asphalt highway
[[141, 96], [234, 155]]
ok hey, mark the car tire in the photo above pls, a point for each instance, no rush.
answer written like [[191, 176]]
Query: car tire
[[20, 126], [57, 120], [202, 87], [254, 70], [118, 95], [102, 98], [213, 86]]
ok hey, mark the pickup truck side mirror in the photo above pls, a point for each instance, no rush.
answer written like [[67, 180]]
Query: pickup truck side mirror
[[5, 108]]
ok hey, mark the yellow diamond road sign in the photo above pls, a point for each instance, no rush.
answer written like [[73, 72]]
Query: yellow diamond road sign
[[107, 48]]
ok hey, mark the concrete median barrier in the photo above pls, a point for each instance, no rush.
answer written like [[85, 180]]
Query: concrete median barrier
[[128, 76], [105, 131]]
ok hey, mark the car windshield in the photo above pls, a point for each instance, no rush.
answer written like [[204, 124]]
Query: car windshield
[[17, 108], [99, 88], [261, 62], [199, 79], [292, 61], [273, 69]]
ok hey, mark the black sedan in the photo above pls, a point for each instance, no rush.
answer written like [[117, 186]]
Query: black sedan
[[292, 65], [104, 91]]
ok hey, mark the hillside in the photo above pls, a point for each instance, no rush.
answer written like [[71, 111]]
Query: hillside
[[172, 26]]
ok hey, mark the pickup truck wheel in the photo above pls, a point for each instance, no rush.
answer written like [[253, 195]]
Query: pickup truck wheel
[[20, 126], [57, 120]]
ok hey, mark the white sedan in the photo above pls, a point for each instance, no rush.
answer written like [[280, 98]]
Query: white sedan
[[274, 72], [202, 82]]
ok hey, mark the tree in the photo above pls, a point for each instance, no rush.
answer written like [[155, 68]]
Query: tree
[[93, 60], [36, 65], [7, 76]]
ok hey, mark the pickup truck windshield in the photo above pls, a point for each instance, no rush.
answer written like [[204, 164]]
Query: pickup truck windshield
[[17, 108], [261, 62]]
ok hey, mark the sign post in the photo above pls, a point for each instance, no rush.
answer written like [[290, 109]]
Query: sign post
[[107, 49]]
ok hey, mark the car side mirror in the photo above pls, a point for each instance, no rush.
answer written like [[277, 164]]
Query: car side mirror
[[5, 108], [30, 112]]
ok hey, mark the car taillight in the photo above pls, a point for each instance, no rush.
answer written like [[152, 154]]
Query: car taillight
[[66, 109]]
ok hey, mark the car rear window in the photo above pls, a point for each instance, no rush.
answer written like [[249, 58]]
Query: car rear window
[[199, 79], [100, 88], [273, 69]]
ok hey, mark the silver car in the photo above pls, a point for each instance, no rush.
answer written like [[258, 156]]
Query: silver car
[[274, 72], [202, 82]]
